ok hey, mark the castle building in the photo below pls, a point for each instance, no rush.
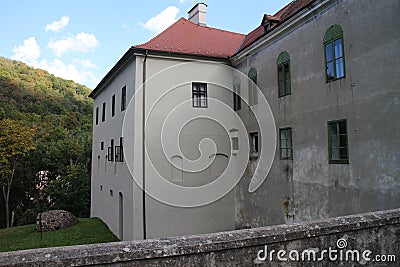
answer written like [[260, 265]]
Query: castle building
[[329, 72]]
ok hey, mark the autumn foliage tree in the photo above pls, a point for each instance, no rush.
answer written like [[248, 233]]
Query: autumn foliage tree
[[56, 174], [16, 140]]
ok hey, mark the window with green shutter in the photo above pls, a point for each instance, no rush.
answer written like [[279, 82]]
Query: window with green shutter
[[334, 53], [283, 64]]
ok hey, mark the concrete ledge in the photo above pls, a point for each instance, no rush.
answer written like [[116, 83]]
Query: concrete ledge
[[221, 247]]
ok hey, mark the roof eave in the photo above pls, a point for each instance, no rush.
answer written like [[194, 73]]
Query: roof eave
[[111, 74], [142, 51]]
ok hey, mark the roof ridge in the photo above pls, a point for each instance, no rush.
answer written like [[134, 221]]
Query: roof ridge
[[213, 28], [194, 24], [185, 36]]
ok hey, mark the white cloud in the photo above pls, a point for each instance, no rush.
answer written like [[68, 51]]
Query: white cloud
[[162, 20], [85, 63], [82, 42], [28, 52], [57, 25], [66, 71]]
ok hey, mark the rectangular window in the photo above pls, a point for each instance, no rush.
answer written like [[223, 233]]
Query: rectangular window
[[113, 106], [97, 115], [199, 95], [334, 58], [253, 94], [123, 98], [283, 79], [237, 104], [102, 146], [235, 143], [119, 151], [337, 142], [103, 115], [110, 152], [253, 142], [285, 143]]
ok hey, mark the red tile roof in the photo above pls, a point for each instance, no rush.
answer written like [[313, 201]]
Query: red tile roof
[[187, 37], [282, 15]]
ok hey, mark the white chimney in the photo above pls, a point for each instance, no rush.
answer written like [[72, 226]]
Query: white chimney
[[198, 14]]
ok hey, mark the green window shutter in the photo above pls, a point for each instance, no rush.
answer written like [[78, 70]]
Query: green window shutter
[[282, 58], [253, 75], [334, 32]]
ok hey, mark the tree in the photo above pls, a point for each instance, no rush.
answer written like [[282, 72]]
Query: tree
[[71, 192], [16, 140]]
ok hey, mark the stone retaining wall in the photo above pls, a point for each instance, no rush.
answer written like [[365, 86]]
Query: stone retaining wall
[[378, 232]]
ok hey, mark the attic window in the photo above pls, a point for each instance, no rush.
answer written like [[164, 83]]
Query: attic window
[[269, 21]]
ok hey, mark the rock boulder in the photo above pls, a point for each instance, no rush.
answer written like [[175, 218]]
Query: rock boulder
[[54, 220]]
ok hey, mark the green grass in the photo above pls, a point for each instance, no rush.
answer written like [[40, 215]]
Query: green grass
[[87, 231]]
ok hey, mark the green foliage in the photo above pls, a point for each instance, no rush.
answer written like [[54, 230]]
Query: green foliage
[[16, 140], [74, 187], [87, 231], [60, 111]]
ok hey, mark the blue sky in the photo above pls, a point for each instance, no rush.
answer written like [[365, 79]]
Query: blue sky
[[82, 40]]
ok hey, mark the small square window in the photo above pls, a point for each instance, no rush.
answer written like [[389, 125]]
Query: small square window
[[199, 95], [285, 143]]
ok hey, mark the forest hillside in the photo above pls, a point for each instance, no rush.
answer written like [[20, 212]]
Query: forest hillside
[[45, 144]]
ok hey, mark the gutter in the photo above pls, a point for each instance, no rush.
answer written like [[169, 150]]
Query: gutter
[[144, 145]]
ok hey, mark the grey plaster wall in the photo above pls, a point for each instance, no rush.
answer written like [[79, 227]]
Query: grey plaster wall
[[378, 232], [308, 187], [109, 179]]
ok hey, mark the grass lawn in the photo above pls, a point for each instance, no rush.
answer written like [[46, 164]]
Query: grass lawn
[[87, 231]]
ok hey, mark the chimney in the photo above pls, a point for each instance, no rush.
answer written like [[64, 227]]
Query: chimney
[[198, 14]]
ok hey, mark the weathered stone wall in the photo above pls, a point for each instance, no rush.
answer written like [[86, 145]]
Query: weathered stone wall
[[308, 187], [378, 232]]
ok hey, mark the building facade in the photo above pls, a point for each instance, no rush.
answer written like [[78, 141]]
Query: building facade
[[329, 71], [323, 73]]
